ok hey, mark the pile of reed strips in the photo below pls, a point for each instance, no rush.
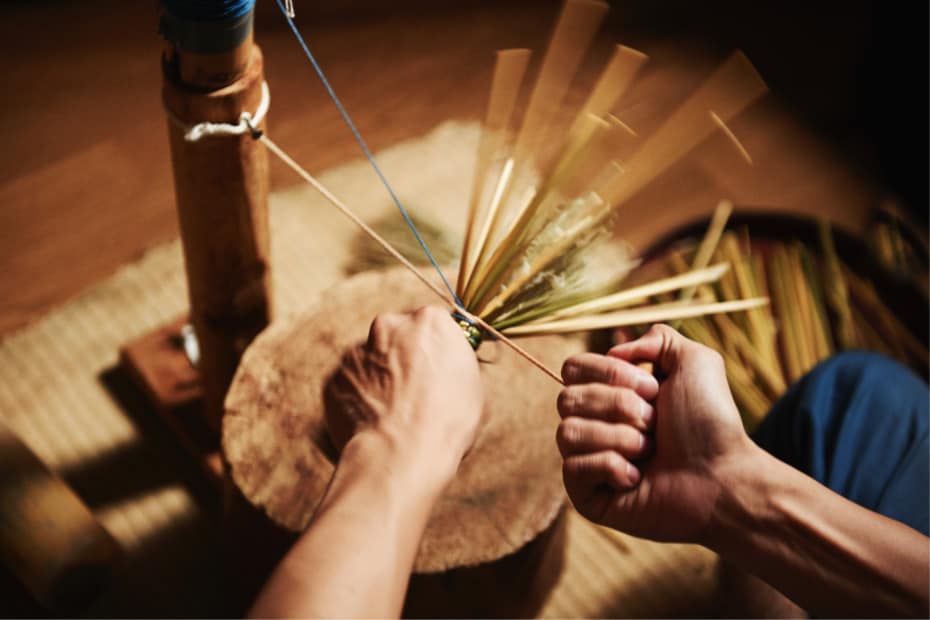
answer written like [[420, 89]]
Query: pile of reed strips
[[820, 306]]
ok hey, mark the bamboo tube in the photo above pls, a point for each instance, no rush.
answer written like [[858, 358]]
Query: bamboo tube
[[221, 187]]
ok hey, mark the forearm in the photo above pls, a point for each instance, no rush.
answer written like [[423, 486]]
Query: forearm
[[826, 553], [355, 559]]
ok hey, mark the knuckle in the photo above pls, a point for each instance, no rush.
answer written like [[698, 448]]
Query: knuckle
[[613, 462], [569, 401], [623, 403], [570, 432], [711, 356], [614, 374], [629, 438], [571, 369], [432, 313]]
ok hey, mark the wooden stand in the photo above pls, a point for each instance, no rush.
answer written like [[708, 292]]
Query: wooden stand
[[493, 544], [221, 185]]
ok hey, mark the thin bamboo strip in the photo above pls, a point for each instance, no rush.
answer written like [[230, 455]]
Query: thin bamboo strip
[[570, 39], [760, 278], [901, 340], [781, 303], [727, 285], [836, 292], [509, 70], [728, 91], [546, 257], [771, 376], [477, 277], [820, 322], [803, 310], [638, 316], [616, 78], [731, 137], [734, 340], [718, 223], [639, 294], [745, 288]]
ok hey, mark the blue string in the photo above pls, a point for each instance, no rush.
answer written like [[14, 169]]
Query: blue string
[[208, 10], [368, 155]]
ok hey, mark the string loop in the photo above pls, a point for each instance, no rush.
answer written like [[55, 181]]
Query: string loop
[[248, 122]]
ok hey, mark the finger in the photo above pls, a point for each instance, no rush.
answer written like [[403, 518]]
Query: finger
[[606, 402], [382, 330], [584, 471], [658, 345], [594, 368], [440, 327], [583, 436]]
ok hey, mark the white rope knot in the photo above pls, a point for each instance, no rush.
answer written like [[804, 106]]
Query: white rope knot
[[248, 123]]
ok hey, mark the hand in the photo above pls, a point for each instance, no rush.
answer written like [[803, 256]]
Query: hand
[[414, 385], [698, 436]]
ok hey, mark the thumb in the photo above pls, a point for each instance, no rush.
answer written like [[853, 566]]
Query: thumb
[[660, 345]]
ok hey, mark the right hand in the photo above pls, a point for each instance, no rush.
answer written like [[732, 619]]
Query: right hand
[[670, 495]]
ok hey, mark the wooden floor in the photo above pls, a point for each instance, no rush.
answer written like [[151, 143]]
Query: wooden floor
[[85, 182]]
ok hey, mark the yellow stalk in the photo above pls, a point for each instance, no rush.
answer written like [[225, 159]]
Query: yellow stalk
[[509, 70], [638, 294], [836, 292], [637, 316], [709, 243]]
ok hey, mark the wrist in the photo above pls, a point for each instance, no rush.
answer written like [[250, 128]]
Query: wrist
[[412, 465], [743, 480]]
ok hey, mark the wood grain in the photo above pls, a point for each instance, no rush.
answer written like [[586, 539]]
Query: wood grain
[[507, 490]]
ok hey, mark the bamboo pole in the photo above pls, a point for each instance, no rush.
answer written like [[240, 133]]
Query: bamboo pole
[[221, 187]]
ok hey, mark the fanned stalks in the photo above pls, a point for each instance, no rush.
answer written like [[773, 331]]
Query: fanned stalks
[[539, 218], [508, 76], [573, 33]]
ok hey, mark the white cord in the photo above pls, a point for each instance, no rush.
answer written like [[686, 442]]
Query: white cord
[[247, 122]]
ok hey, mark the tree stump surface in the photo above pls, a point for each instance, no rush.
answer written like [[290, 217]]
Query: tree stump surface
[[508, 488]]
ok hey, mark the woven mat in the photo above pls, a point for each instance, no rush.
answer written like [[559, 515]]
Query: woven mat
[[123, 463]]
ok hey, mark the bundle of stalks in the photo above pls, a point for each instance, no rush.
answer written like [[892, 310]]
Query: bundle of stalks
[[537, 257], [819, 307]]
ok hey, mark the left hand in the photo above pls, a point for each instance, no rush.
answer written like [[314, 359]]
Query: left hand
[[415, 385]]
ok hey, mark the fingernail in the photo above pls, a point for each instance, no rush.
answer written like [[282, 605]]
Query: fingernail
[[646, 411], [647, 380], [632, 473]]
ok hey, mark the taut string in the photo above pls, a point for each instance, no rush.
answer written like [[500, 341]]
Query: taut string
[[288, 14], [329, 196]]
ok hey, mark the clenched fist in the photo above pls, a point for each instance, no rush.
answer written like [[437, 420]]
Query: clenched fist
[[646, 455]]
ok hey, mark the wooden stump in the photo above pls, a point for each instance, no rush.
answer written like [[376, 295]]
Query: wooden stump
[[507, 493]]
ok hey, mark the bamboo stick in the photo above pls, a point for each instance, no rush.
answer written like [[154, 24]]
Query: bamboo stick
[[708, 246], [509, 70], [639, 294], [570, 39], [837, 292], [638, 316]]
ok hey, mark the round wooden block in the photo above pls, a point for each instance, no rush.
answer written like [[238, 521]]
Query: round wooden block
[[508, 488]]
